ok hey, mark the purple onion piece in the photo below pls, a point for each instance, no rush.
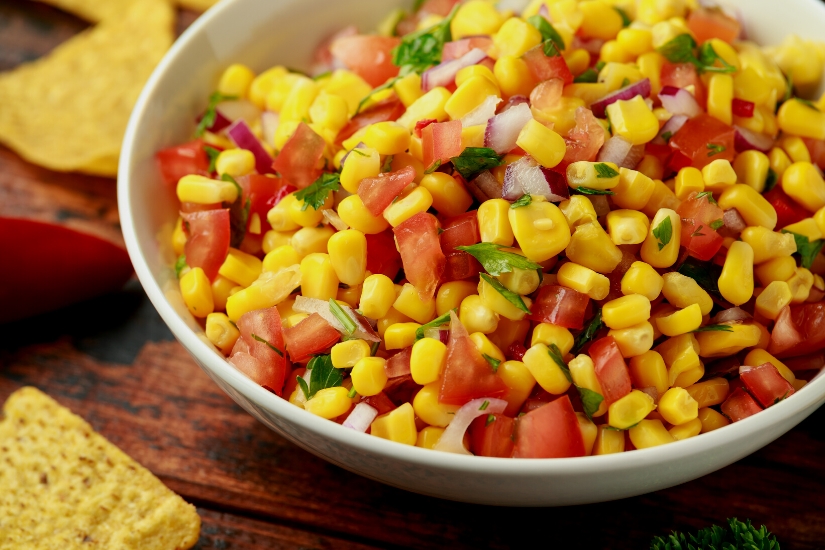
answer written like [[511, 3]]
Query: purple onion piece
[[361, 417], [733, 314], [526, 177], [630, 91], [485, 186], [452, 440], [514, 101], [681, 102], [444, 73], [503, 129], [744, 140], [673, 125], [734, 220], [242, 137], [481, 114]]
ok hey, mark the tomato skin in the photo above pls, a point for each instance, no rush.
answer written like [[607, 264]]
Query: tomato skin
[[182, 160], [693, 138], [457, 48], [265, 324], [706, 23], [816, 148], [787, 210], [309, 337], [585, 139], [808, 320], [459, 266], [370, 57], [387, 110], [263, 193], [739, 405], [683, 75], [766, 385], [382, 256], [380, 402], [550, 431], [379, 192], [207, 243], [461, 230], [701, 241], [298, 160], [467, 375], [544, 67], [560, 306], [494, 438], [421, 253], [611, 369], [440, 142]]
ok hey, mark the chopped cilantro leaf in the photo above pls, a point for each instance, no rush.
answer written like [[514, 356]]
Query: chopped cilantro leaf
[[269, 345], [589, 191], [211, 113], [303, 385], [495, 260], [317, 192], [474, 160], [714, 149], [493, 361], [708, 58], [603, 170], [808, 250], [591, 401], [420, 50], [558, 358], [374, 348], [698, 232], [323, 376], [490, 419], [352, 393], [589, 331], [770, 180], [706, 274], [523, 200], [547, 31], [666, 136], [437, 322], [484, 406], [550, 49], [625, 82], [180, 264], [387, 166], [600, 65], [680, 49], [714, 328], [435, 166], [626, 21], [588, 76], [342, 316], [212, 153], [717, 224], [238, 215], [807, 103], [508, 294], [663, 232], [707, 194]]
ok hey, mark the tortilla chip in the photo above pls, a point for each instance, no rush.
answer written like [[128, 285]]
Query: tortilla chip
[[93, 11], [197, 5], [63, 486], [68, 111]]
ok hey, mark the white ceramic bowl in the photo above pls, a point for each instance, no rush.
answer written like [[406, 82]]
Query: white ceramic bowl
[[261, 33]]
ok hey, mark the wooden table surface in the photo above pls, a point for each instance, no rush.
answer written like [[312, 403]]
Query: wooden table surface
[[113, 361]]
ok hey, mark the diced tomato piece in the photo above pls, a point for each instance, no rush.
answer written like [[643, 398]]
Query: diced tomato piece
[[387, 110], [806, 362], [585, 139], [298, 161], [187, 207], [704, 139], [706, 23], [678, 160], [311, 336], [382, 256], [788, 211], [380, 402], [766, 384], [460, 265], [799, 330], [440, 142], [611, 369], [421, 124], [816, 147], [492, 435], [698, 237], [368, 56], [207, 243], [560, 306], [544, 67], [461, 230], [398, 364], [182, 160], [457, 48], [550, 431], [322, 59], [739, 405], [515, 351], [437, 7], [742, 108], [263, 192], [683, 75], [617, 275], [401, 389], [421, 253], [265, 324], [467, 374], [379, 192]]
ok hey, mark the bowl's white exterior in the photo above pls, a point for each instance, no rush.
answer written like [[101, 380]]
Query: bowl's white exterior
[[261, 33]]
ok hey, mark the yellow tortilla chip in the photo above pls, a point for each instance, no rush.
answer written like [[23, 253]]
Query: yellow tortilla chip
[[63, 486], [93, 11], [68, 111]]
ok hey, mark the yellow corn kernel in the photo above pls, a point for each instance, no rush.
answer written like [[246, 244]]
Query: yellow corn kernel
[[240, 267], [348, 255], [633, 340], [388, 138], [367, 375], [540, 229], [349, 86], [178, 237], [767, 244], [309, 240], [429, 436], [513, 76], [520, 281], [627, 226], [235, 80], [496, 301], [278, 89], [718, 175], [221, 332], [299, 99], [681, 321], [417, 200], [772, 299], [305, 215], [450, 295], [318, 279], [779, 161], [633, 120], [649, 433], [681, 354], [349, 295], [578, 60], [517, 377], [329, 402], [449, 197], [753, 207], [650, 65], [635, 41], [720, 344], [260, 87], [392, 317], [578, 210], [427, 360], [710, 392], [408, 88], [486, 347], [651, 167], [197, 292], [278, 216], [546, 333], [662, 250], [562, 117], [284, 131], [649, 370], [221, 290], [494, 222], [279, 258], [476, 316], [586, 174], [268, 290], [400, 335], [757, 357], [751, 168], [630, 409], [475, 17], [588, 92], [612, 51], [614, 74], [807, 227], [545, 370], [430, 409], [591, 247], [203, 190], [778, 269], [711, 419], [235, 162], [682, 291], [293, 320], [410, 304], [720, 96], [642, 279], [626, 311], [736, 280], [516, 37], [353, 212], [583, 373], [397, 425], [429, 105], [803, 183], [585, 280], [800, 285], [689, 429], [688, 180], [364, 163], [329, 111], [795, 148], [542, 143], [273, 239], [608, 441], [797, 118], [589, 432], [677, 406], [662, 197], [600, 20]]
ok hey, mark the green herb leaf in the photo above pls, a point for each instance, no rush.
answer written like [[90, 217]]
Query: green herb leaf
[[707, 194], [590, 191], [663, 232], [734, 536], [420, 50], [589, 331], [230, 179], [708, 58], [808, 250], [493, 361], [548, 32], [588, 76], [807, 103], [269, 345], [603, 170], [387, 166], [495, 261], [558, 358], [352, 393], [211, 113], [698, 232], [550, 49], [770, 180], [523, 200], [600, 65], [212, 153], [303, 385], [238, 215], [626, 20], [625, 82], [342, 316], [474, 160], [437, 322], [490, 419], [714, 149], [484, 406], [323, 376], [706, 274], [591, 401], [435, 166], [508, 294], [358, 152], [374, 348], [316, 193], [180, 264], [385, 86], [716, 224], [680, 49], [666, 136], [714, 328]]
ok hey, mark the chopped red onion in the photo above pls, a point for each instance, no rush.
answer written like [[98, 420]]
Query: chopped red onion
[[398, 364], [615, 150], [321, 307], [481, 114], [679, 101], [503, 129], [239, 109], [485, 186], [269, 125], [220, 123], [361, 417], [642, 88], [673, 125], [744, 140], [443, 74], [730, 315], [734, 220], [514, 101], [652, 392], [592, 45], [452, 440], [526, 177], [742, 108], [438, 333], [242, 137]]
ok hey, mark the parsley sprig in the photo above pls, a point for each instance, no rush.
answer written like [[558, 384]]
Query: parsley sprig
[[737, 534], [474, 160], [323, 376], [495, 260], [211, 113], [437, 322], [663, 232], [682, 49], [316, 193], [604, 170], [808, 250], [268, 344], [589, 331], [591, 401], [512, 297], [212, 153], [590, 191], [548, 32], [714, 328], [523, 200]]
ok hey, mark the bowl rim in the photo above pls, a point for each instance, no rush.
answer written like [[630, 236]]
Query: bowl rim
[[812, 395]]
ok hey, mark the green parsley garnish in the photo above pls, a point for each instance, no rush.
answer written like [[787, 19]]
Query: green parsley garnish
[[626, 21], [707, 194], [342, 316], [496, 261], [548, 33], [212, 153], [211, 113], [808, 250], [663, 232], [590, 191], [523, 200], [238, 214], [590, 400], [508, 294], [603, 170], [698, 232], [736, 535], [269, 345], [352, 393], [180, 264], [706, 274], [490, 419], [493, 361], [666, 136], [588, 76], [316, 193], [387, 166], [770, 180], [437, 322], [550, 49], [323, 376], [717, 224], [474, 160], [714, 149], [589, 331], [374, 348], [484, 406], [681, 49], [714, 328]]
